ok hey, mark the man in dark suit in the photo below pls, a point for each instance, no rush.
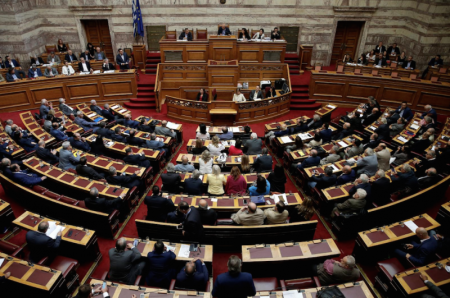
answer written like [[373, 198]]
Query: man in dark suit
[[421, 253], [300, 127], [103, 131], [392, 117], [11, 75], [393, 50], [143, 127], [429, 162], [253, 145], [208, 216], [24, 178], [11, 63], [70, 57], [256, 94], [107, 65], [171, 181], [132, 140], [186, 35], [430, 178], [355, 120], [380, 60], [264, 162], [117, 136], [57, 133], [95, 203], [373, 142], [95, 108], [193, 185], [410, 63], [326, 133], [323, 180], [128, 122], [34, 72], [380, 48], [371, 118], [40, 245], [314, 123], [223, 30], [84, 66], [109, 114], [429, 111], [381, 188], [124, 262], [434, 62], [160, 263], [122, 60], [405, 178], [234, 283], [157, 206], [345, 132], [363, 183], [193, 276], [136, 159], [348, 175], [45, 154], [25, 143], [79, 142], [421, 145], [312, 161], [437, 292], [86, 56], [192, 225], [84, 170], [383, 130], [123, 180]]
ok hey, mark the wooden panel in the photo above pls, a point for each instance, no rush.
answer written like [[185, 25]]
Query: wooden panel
[[197, 55], [346, 39], [79, 91], [140, 56], [97, 33], [441, 101], [115, 88], [329, 89], [360, 91], [290, 34], [49, 93], [218, 80], [397, 95], [248, 56], [171, 75], [14, 99], [305, 56], [196, 75]]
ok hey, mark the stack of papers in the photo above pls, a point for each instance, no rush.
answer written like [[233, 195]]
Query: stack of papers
[[53, 229], [1, 261], [400, 138], [335, 169], [414, 126], [331, 107], [184, 251], [411, 225], [286, 139], [92, 115], [304, 136], [122, 111], [392, 159], [109, 144], [108, 71], [114, 107], [343, 144], [159, 139], [225, 143], [351, 161], [98, 71], [276, 198], [292, 294], [372, 127], [234, 129], [171, 125]]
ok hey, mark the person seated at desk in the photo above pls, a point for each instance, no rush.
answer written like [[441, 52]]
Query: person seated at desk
[[383, 131], [437, 292], [117, 136], [203, 134], [84, 66], [40, 245], [50, 72], [429, 162], [249, 215], [34, 60], [95, 108], [429, 179], [144, 127], [298, 145], [316, 141], [202, 95], [271, 93], [67, 69], [335, 272], [171, 181], [380, 61], [126, 181], [27, 144], [264, 162], [193, 185], [370, 117], [12, 63], [315, 122], [99, 54], [128, 122], [236, 183], [323, 181], [12, 77], [124, 262], [184, 166], [133, 140], [137, 159], [58, 133], [421, 253], [363, 182], [79, 142], [86, 56], [347, 59], [70, 57], [160, 263], [371, 56], [67, 160], [380, 48], [354, 204], [45, 108], [216, 182], [61, 46], [34, 72], [236, 148], [326, 132], [226, 134], [367, 164], [355, 149], [312, 161], [275, 34], [405, 179], [186, 35], [348, 175], [193, 276], [155, 145], [244, 35], [393, 50], [261, 188], [238, 96], [49, 156], [370, 105], [215, 147], [94, 202], [199, 147], [430, 112], [253, 145], [223, 30], [332, 157], [277, 214], [256, 94], [86, 291], [234, 283], [107, 65], [277, 179], [176, 216], [402, 154], [362, 60], [24, 178], [434, 62], [410, 63], [397, 128], [164, 131], [157, 206], [53, 59], [401, 59], [404, 111], [122, 60], [259, 34], [86, 171]]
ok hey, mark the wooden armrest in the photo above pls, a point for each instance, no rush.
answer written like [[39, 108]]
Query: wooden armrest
[[43, 261], [113, 215], [283, 285], [17, 252], [138, 280], [104, 275], [172, 284], [317, 281]]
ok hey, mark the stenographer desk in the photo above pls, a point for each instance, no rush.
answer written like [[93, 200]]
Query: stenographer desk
[[27, 94]]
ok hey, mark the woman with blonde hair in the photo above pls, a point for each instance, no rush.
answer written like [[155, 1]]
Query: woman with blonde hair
[[305, 211], [205, 161], [215, 147], [245, 164], [236, 183], [216, 181]]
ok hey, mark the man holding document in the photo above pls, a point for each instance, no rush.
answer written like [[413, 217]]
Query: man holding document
[[44, 242]]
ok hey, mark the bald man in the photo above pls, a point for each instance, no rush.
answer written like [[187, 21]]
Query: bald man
[[421, 253], [79, 143], [193, 276], [46, 154], [184, 166], [348, 175], [125, 262], [207, 215], [249, 215], [41, 245]]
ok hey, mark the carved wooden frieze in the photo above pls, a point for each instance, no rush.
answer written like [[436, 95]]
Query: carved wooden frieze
[[261, 104], [187, 104], [257, 67], [184, 67]]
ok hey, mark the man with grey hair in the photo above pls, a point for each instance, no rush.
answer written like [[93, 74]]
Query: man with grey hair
[[34, 72], [208, 216], [368, 164], [315, 122], [429, 111], [185, 166], [94, 202], [345, 132], [50, 72], [406, 178], [8, 125], [361, 183], [164, 131], [6, 167], [431, 178], [354, 204], [128, 122], [125, 262], [124, 180], [397, 128], [106, 66], [429, 162], [337, 272], [193, 185], [332, 156], [355, 149], [253, 145], [46, 106], [264, 162], [45, 154], [383, 130], [86, 125], [381, 188], [234, 281], [66, 109], [66, 158], [154, 144], [95, 108], [322, 181], [110, 115], [171, 181]]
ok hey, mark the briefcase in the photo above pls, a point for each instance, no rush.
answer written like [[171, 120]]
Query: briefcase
[[330, 292]]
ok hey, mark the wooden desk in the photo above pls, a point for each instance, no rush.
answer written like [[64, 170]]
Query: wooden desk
[[443, 216], [213, 130], [148, 120], [89, 114], [35, 129], [410, 131], [374, 125], [385, 70], [6, 216], [27, 94], [289, 123], [17, 150], [231, 160], [249, 178], [81, 245], [143, 135], [307, 136], [349, 88]]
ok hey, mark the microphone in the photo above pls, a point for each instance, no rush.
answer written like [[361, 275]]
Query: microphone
[[289, 241]]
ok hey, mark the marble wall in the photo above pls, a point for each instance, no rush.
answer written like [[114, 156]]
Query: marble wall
[[420, 27]]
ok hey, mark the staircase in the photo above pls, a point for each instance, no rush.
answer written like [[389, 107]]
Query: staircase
[[293, 61], [146, 85]]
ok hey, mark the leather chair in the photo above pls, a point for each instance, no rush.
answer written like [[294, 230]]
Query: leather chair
[[39, 189], [105, 276], [266, 284], [10, 248], [171, 35], [173, 282], [298, 284], [51, 48], [52, 195], [224, 222], [202, 34], [386, 272], [65, 265]]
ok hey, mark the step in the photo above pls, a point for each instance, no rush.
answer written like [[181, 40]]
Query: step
[[302, 101], [313, 106], [300, 89], [298, 96], [151, 70], [147, 66], [146, 89], [294, 66], [153, 55], [140, 105], [146, 85], [291, 56], [143, 100], [153, 61], [146, 94]]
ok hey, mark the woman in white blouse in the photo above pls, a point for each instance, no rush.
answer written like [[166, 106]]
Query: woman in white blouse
[[67, 69], [206, 162], [202, 134], [259, 35], [238, 96], [370, 56], [215, 147]]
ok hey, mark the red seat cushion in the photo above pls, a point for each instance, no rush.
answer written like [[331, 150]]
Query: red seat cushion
[[63, 264], [81, 204], [7, 247], [52, 195], [39, 189], [67, 200], [265, 284], [390, 267], [301, 283], [201, 35]]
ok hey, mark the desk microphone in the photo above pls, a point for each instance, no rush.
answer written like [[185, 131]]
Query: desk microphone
[[289, 241]]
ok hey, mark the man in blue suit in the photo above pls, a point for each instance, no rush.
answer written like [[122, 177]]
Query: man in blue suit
[[234, 283], [361, 182], [312, 161], [326, 133], [404, 111], [11, 75], [128, 122], [301, 126], [79, 143], [45, 108], [284, 131], [323, 180], [420, 253], [160, 262], [429, 111], [348, 175], [11, 63], [226, 134], [57, 133], [193, 276], [95, 108], [224, 30], [117, 136], [86, 125], [25, 143], [155, 145], [123, 60], [23, 178], [39, 244], [110, 115], [34, 72]]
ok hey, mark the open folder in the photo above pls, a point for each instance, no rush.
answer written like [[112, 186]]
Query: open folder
[[53, 229]]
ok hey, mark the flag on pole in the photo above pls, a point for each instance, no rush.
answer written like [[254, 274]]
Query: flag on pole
[[138, 26]]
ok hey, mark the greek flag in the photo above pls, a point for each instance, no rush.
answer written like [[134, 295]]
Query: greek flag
[[138, 26]]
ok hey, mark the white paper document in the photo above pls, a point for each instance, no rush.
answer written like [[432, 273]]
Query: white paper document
[[170, 248], [304, 136], [331, 107], [286, 139], [276, 198], [335, 169], [411, 225], [53, 229], [414, 126], [114, 107], [184, 251], [392, 159], [361, 111], [402, 139], [372, 127], [235, 129], [172, 125], [108, 71], [98, 71], [343, 144], [225, 143], [122, 111], [92, 115], [213, 200], [292, 294], [351, 161], [1, 261]]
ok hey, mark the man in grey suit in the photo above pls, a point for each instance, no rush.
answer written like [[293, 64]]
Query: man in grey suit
[[86, 125], [332, 156], [164, 131], [355, 149], [368, 165], [50, 72], [52, 58], [124, 265], [397, 128], [66, 158], [99, 55], [66, 109], [354, 204], [253, 145], [383, 156]]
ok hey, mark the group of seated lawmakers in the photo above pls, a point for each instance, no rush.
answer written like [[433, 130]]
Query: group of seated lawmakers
[[381, 57], [243, 35], [254, 95], [71, 65]]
